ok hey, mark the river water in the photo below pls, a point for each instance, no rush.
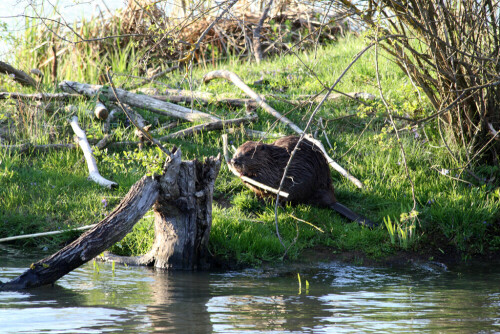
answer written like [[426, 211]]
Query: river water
[[341, 298]]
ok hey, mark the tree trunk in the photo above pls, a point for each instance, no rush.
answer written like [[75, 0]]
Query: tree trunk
[[183, 218], [111, 229]]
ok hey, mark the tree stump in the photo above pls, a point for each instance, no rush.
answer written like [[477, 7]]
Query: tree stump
[[183, 217], [182, 198]]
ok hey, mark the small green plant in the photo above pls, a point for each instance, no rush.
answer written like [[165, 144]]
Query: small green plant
[[391, 228], [95, 266], [300, 284], [404, 229]]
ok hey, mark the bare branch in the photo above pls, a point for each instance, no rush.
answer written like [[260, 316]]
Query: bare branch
[[87, 151], [17, 75]]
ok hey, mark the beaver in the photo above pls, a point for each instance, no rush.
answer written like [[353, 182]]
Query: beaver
[[308, 178]]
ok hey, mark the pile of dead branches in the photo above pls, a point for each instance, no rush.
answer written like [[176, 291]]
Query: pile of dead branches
[[160, 35]]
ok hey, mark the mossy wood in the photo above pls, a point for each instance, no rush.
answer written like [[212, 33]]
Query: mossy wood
[[182, 199]]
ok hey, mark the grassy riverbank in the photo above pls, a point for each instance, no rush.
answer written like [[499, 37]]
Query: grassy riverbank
[[49, 191]]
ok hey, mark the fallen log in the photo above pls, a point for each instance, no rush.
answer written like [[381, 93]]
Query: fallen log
[[182, 198], [230, 76], [20, 76], [110, 230], [176, 92], [136, 100], [255, 134], [94, 174], [100, 111], [189, 99]]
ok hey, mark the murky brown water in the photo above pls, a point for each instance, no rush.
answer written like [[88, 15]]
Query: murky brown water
[[341, 299]]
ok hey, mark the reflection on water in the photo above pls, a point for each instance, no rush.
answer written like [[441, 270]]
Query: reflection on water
[[341, 299]]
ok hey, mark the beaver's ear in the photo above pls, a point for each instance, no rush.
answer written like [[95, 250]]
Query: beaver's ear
[[263, 147]]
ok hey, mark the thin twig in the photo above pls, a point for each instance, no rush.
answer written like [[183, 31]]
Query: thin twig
[[44, 234]]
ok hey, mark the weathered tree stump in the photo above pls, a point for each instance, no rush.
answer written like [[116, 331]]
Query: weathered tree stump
[[182, 198], [183, 217]]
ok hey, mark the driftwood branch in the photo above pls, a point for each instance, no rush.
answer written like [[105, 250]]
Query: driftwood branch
[[87, 151], [245, 178], [18, 75], [136, 100], [240, 84], [110, 230]]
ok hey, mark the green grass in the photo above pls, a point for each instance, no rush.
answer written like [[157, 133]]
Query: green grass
[[49, 191]]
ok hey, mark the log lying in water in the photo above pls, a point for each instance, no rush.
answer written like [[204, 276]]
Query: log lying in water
[[182, 198], [112, 229]]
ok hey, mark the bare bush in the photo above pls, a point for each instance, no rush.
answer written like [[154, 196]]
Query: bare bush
[[451, 50]]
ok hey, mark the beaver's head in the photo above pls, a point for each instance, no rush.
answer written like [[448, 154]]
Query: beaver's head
[[250, 158]]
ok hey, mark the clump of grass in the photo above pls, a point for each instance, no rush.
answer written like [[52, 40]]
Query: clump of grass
[[404, 230], [247, 202]]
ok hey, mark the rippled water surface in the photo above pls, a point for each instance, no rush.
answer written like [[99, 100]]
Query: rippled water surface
[[340, 299]]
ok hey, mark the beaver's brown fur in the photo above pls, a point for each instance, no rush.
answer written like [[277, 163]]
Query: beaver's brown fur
[[308, 178]]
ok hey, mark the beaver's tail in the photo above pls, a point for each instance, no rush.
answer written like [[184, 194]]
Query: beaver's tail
[[351, 215]]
